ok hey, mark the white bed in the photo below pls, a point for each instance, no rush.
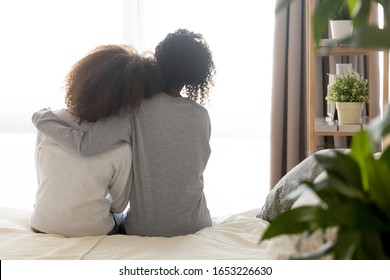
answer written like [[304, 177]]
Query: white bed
[[234, 237]]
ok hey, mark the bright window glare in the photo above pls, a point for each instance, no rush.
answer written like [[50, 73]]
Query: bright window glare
[[240, 34], [42, 39]]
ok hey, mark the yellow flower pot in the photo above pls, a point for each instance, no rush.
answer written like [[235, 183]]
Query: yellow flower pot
[[349, 112]]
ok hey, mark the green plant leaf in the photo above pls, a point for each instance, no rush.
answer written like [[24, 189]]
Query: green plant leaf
[[332, 188], [369, 37], [354, 7], [380, 127], [361, 151], [282, 5], [297, 220], [373, 246], [378, 175], [354, 214], [385, 237], [347, 206], [342, 166], [360, 11], [346, 244], [385, 156], [361, 146]]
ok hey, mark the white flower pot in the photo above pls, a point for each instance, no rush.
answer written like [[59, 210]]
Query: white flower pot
[[341, 28], [349, 112]]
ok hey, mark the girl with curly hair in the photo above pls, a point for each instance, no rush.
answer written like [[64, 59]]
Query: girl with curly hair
[[186, 64], [79, 196], [169, 135]]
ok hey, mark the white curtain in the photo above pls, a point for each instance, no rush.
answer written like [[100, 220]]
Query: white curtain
[[41, 39]]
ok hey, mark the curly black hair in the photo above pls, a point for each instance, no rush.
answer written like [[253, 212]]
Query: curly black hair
[[186, 61]]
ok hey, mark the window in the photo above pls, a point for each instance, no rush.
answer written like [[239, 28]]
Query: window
[[44, 38]]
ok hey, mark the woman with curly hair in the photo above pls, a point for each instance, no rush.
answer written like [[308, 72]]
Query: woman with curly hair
[[80, 196], [169, 135], [110, 80], [186, 61]]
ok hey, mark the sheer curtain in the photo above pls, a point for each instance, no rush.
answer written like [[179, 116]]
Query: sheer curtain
[[44, 38]]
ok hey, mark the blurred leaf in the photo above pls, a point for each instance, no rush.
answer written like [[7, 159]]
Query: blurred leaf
[[385, 157], [380, 127], [354, 7], [369, 37], [385, 237], [282, 5], [361, 146], [325, 193], [373, 245], [321, 17], [360, 12], [357, 215], [297, 220], [379, 183], [346, 244], [361, 151], [343, 167], [337, 187]]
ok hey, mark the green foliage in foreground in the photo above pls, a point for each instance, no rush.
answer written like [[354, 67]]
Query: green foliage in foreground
[[355, 200], [355, 197]]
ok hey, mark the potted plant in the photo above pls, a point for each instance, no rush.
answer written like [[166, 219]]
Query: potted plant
[[349, 92], [354, 201], [340, 22]]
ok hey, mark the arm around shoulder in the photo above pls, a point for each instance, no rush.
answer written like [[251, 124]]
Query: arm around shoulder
[[101, 136]]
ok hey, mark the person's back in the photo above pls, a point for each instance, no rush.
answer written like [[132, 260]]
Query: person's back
[[171, 149], [170, 140], [72, 196]]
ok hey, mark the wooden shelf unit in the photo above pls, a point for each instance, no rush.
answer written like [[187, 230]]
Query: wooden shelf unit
[[312, 52]]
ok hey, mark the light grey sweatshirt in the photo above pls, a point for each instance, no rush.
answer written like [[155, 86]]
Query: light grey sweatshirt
[[72, 199], [170, 142]]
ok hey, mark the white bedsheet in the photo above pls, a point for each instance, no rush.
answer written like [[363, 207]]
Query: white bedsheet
[[233, 237]]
